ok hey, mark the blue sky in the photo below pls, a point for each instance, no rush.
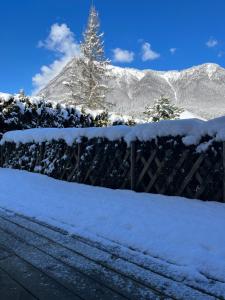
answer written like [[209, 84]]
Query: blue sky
[[156, 34]]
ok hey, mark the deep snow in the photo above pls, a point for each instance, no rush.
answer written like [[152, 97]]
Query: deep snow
[[188, 233]]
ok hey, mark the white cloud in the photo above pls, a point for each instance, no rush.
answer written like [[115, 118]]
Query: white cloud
[[211, 43], [124, 56], [173, 50], [148, 53], [61, 41]]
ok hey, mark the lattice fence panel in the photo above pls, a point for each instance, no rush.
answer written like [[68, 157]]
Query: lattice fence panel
[[162, 166], [167, 166], [105, 163]]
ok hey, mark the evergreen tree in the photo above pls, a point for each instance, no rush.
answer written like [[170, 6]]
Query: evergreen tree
[[87, 85], [21, 112], [22, 93], [162, 109]]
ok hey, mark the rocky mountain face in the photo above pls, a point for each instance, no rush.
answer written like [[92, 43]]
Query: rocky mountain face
[[199, 90]]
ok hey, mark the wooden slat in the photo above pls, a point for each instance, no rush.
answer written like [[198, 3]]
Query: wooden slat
[[223, 158], [199, 178], [174, 289], [75, 168], [151, 176], [88, 174], [155, 176], [1, 155], [132, 165], [176, 168], [188, 178], [34, 281], [69, 278], [105, 276], [67, 164], [12, 290], [203, 185], [146, 165]]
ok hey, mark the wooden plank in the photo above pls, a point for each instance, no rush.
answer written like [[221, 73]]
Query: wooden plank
[[40, 153], [126, 171], [104, 276], [11, 290], [189, 289], [74, 281], [65, 168], [37, 283], [202, 186], [223, 187], [1, 155], [188, 178], [75, 167], [78, 155], [155, 176], [144, 274], [88, 174], [178, 165], [101, 169], [27, 236], [146, 165], [4, 252], [132, 165], [204, 182]]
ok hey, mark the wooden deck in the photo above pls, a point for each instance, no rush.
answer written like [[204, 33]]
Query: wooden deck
[[38, 261]]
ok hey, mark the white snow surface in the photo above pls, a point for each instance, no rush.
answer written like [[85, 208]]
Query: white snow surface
[[187, 233], [5, 96], [191, 129]]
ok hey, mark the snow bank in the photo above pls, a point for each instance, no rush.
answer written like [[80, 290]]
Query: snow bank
[[188, 115], [5, 97], [192, 130], [190, 234], [69, 135]]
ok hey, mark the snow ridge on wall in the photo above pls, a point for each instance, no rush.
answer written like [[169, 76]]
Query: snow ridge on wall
[[191, 130]]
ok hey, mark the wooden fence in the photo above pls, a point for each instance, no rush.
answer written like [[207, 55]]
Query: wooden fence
[[164, 165]]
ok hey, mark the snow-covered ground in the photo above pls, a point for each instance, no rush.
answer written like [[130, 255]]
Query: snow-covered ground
[[188, 115], [188, 233]]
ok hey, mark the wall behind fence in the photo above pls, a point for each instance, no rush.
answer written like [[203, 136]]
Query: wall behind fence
[[163, 165]]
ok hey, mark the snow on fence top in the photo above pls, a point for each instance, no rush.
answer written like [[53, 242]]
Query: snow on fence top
[[191, 130]]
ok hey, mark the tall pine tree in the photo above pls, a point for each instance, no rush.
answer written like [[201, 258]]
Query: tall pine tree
[[88, 84]]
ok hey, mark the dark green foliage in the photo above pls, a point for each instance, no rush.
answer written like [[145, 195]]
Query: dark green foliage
[[24, 113]]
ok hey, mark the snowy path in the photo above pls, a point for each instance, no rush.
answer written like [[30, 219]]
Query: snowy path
[[171, 246]]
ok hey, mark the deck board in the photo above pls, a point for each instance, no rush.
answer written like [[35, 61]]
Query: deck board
[[12, 290], [40, 285], [85, 269]]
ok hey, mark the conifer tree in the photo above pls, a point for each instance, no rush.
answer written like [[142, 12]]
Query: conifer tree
[[87, 85], [162, 109], [22, 93]]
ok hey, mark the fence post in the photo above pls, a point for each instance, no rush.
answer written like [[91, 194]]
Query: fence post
[[132, 165], [78, 155], [223, 184], [78, 162]]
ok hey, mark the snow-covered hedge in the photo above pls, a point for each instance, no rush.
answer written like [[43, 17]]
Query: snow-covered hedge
[[183, 157], [21, 112], [193, 132]]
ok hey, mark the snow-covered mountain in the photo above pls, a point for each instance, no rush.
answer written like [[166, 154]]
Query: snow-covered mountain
[[199, 90]]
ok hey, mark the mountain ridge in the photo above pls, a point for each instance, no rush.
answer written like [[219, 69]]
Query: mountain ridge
[[198, 89]]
